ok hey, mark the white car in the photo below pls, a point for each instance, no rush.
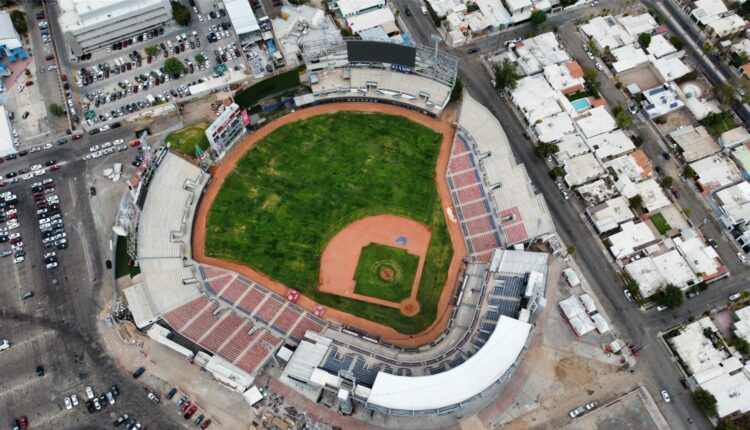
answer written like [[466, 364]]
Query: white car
[[89, 393], [117, 141], [742, 257], [661, 308], [74, 399], [51, 265], [20, 88], [35, 149], [18, 260], [599, 66], [68, 404], [104, 128], [4, 344], [665, 396], [36, 167], [47, 145], [106, 144], [94, 148]]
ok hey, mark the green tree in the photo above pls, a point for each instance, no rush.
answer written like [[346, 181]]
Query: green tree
[[742, 345], [18, 18], [181, 14], [670, 297], [458, 90], [538, 17], [707, 48], [667, 181], [200, 59], [676, 41], [689, 172], [506, 75], [345, 32], [152, 50], [173, 67], [727, 425], [591, 82], [557, 172], [644, 39], [545, 150], [56, 110], [7, 3], [740, 59], [624, 120], [636, 202], [706, 401], [571, 249], [724, 93], [566, 3]]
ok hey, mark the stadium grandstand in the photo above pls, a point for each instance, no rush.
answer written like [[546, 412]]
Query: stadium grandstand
[[379, 70], [495, 202]]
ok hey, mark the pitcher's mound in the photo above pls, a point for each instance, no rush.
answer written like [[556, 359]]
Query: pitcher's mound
[[386, 273]]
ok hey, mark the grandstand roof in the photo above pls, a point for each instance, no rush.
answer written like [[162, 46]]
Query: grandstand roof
[[460, 383], [164, 231], [524, 213]]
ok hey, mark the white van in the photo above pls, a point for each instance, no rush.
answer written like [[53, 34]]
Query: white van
[[424, 10]]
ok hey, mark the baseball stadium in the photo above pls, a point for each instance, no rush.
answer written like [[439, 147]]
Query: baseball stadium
[[383, 258]]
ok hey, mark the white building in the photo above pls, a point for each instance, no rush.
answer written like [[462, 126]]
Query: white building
[[701, 257], [637, 24], [628, 57], [6, 136], [660, 47], [670, 68], [634, 165], [661, 100], [581, 169], [595, 122], [375, 18], [741, 323], [349, 8], [734, 204], [536, 53], [226, 129], [726, 26], [715, 172], [609, 215], [651, 192], [706, 11], [92, 24], [565, 77], [632, 238], [695, 143], [571, 145], [714, 369], [734, 137], [606, 31], [611, 144], [243, 20], [653, 273]]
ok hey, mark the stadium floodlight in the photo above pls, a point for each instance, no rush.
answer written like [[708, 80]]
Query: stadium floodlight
[[435, 38]]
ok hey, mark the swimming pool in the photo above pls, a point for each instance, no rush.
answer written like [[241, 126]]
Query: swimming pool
[[581, 104]]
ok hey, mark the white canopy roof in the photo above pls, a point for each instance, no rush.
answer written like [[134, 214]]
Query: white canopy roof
[[416, 393], [242, 16]]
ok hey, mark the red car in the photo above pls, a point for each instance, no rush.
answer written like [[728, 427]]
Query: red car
[[674, 191], [64, 77], [205, 424], [54, 168], [24, 422], [29, 83], [189, 413], [77, 136], [185, 405], [135, 143]]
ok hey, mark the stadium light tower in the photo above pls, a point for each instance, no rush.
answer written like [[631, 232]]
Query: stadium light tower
[[435, 38]]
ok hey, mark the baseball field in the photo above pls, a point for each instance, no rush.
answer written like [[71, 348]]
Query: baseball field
[[306, 181]]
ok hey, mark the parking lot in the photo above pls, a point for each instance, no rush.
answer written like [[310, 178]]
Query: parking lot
[[124, 78]]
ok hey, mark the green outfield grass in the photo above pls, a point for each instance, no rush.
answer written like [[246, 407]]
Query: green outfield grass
[[289, 195], [376, 257], [184, 140]]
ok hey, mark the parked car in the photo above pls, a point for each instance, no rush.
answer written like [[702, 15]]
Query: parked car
[[138, 372]]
